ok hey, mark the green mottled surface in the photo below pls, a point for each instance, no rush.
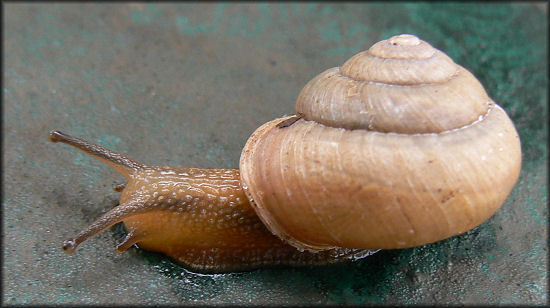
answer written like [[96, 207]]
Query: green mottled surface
[[186, 84]]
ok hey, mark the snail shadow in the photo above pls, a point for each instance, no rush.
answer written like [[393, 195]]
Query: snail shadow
[[357, 281], [383, 277]]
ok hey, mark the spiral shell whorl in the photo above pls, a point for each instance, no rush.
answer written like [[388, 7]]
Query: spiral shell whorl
[[400, 85], [399, 147]]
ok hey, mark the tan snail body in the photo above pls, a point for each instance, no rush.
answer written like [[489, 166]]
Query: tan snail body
[[399, 147]]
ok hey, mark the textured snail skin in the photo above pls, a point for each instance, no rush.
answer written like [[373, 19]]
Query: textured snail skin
[[199, 217], [397, 148]]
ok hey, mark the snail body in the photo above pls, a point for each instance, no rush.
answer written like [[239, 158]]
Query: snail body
[[199, 217], [397, 148]]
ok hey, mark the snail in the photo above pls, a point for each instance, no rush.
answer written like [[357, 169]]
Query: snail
[[398, 147]]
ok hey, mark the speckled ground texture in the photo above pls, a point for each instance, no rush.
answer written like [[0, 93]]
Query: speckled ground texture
[[186, 84]]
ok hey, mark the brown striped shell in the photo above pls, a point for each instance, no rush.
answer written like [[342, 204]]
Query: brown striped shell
[[399, 147]]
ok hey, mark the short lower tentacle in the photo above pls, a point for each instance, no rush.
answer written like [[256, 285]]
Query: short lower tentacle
[[131, 238]]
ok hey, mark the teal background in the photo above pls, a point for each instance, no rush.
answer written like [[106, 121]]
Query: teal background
[[186, 84]]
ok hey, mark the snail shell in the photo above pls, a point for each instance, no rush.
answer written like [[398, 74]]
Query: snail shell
[[399, 147]]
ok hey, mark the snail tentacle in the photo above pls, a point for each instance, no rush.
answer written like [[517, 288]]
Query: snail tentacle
[[121, 163], [106, 221], [131, 238]]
